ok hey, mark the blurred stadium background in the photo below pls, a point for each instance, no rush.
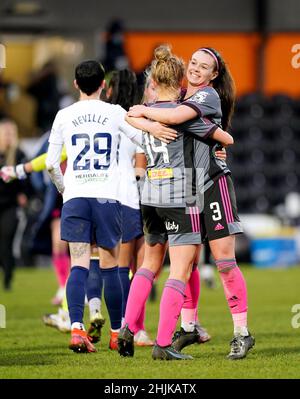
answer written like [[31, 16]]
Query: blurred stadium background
[[261, 43]]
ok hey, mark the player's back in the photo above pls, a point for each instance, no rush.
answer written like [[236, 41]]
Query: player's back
[[90, 131]]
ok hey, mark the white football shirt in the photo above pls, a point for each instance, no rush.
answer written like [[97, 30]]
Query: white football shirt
[[90, 131], [129, 194]]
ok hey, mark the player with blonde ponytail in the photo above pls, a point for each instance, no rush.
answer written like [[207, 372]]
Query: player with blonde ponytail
[[210, 95], [170, 211]]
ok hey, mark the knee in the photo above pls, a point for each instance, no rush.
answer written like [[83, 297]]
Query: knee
[[151, 266], [224, 252], [182, 274]]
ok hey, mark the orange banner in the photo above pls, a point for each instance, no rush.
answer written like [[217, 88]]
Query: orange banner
[[238, 50], [282, 64]]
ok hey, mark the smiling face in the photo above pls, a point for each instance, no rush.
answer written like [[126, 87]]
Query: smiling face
[[201, 69]]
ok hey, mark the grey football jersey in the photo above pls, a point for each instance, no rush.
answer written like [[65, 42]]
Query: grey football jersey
[[206, 102], [172, 180]]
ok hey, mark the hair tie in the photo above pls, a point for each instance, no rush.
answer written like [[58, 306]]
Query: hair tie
[[212, 54]]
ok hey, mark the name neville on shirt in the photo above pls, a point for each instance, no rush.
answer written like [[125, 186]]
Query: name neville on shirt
[[92, 118]]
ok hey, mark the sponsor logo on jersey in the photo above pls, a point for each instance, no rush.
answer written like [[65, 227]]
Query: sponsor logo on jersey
[[219, 227], [172, 226], [200, 97], [155, 174], [98, 177]]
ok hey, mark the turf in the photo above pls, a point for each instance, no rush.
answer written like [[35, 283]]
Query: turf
[[29, 350]]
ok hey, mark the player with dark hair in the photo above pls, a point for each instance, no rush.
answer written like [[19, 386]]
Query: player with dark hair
[[210, 96], [90, 129], [123, 90], [132, 248], [89, 75]]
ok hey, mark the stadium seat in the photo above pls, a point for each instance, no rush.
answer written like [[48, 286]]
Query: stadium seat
[[265, 159]]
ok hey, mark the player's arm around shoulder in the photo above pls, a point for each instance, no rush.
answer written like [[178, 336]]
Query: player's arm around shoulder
[[134, 134], [156, 129], [168, 116]]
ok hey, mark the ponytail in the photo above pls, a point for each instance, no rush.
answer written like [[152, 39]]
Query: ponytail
[[124, 88], [224, 86]]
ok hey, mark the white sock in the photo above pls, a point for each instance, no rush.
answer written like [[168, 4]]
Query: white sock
[[78, 326], [94, 306], [63, 313], [117, 330], [240, 324], [238, 330], [188, 326]]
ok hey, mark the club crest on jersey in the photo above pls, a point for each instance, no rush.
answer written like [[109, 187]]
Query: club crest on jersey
[[200, 97], [172, 226]]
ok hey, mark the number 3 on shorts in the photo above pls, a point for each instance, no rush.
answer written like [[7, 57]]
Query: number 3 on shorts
[[216, 211]]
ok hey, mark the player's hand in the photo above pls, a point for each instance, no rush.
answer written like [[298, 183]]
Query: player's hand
[[8, 173], [61, 189], [221, 154], [60, 186], [163, 132], [137, 111], [57, 179]]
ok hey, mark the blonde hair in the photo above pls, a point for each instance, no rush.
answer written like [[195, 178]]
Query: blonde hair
[[167, 69], [11, 149]]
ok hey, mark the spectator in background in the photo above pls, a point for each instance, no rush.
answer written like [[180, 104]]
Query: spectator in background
[[44, 87], [2, 93], [9, 92], [11, 196], [50, 214], [115, 56]]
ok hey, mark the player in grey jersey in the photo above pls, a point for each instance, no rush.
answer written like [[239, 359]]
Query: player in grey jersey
[[166, 217], [210, 96], [172, 172]]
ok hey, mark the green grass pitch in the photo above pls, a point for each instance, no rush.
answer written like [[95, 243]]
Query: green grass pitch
[[28, 349]]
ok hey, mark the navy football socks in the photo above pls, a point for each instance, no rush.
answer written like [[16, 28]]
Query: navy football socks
[[113, 295], [94, 282], [125, 282]]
